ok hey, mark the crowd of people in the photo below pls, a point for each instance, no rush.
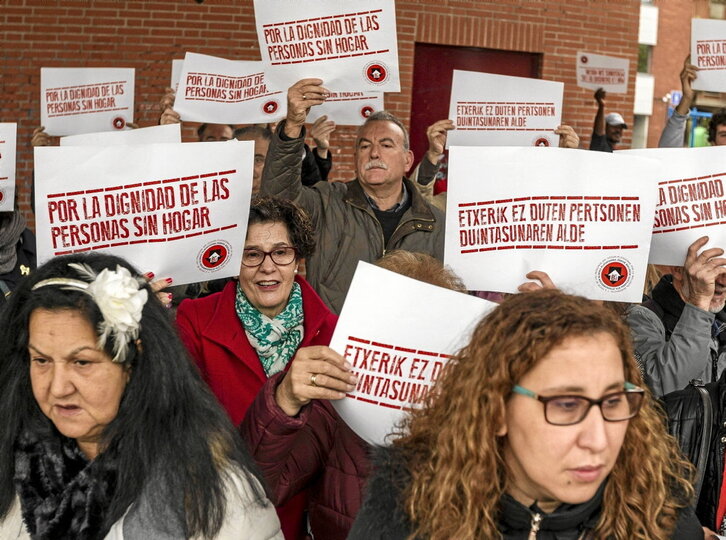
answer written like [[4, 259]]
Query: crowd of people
[[562, 418]]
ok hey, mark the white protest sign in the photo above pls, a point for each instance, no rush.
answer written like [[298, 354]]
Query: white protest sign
[[397, 334], [691, 201], [351, 46], [8, 139], [583, 217], [498, 110], [348, 108], [177, 210], [708, 53], [170, 133], [176, 71], [599, 71], [224, 91], [86, 100]]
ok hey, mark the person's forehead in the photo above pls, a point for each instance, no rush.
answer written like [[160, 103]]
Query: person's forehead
[[216, 129], [381, 129]]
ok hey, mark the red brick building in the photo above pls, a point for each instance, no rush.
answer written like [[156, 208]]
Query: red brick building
[[147, 35]]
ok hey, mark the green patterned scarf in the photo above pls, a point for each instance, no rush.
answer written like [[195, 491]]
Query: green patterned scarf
[[275, 340]]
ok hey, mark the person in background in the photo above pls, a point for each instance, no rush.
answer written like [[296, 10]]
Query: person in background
[[107, 429], [607, 130], [679, 333], [17, 251], [538, 428]]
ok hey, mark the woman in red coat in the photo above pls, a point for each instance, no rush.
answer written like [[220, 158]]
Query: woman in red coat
[[251, 330]]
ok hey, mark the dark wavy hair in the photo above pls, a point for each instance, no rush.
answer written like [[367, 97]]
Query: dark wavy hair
[[267, 209], [456, 458], [717, 119], [169, 426]]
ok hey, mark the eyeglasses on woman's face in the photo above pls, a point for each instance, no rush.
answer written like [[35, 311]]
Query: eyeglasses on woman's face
[[567, 410], [281, 256]]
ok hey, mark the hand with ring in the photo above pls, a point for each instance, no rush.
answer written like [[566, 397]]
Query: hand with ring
[[301, 96], [315, 373]]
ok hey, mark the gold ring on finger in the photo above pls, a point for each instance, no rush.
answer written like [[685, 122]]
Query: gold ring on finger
[[313, 376]]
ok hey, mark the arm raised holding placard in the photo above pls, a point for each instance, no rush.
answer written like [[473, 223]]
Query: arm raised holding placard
[[673, 133], [359, 220], [680, 333]]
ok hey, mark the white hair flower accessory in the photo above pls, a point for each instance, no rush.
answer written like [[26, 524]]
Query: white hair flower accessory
[[120, 298]]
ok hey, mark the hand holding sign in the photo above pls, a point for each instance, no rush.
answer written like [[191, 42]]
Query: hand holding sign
[[320, 132], [545, 282], [436, 134], [300, 97], [688, 75], [700, 272], [315, 373], [568, 137]]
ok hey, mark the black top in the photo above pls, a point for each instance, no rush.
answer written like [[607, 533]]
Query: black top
[[382, 516]]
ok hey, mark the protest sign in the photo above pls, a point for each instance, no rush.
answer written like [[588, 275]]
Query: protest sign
[[397, 333], [690, 201], [708, 54], [348, 108], [583, 217], [223, 91], [86, 100], [8, 139], [349, 45], [498, 110], [176, 71], [178, 210], [170, 133], [599, 71]]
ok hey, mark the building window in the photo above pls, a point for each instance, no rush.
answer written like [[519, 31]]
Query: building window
[[645, 52]]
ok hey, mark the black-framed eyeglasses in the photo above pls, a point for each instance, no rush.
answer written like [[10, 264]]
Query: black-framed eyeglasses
[[281, 256], [571, 409]]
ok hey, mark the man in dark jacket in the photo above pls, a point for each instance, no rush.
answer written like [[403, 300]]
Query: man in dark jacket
[[689, 424], [359, 221], [680, 333]]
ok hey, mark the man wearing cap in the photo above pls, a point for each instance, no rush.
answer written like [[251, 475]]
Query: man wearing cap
[[608, 130]]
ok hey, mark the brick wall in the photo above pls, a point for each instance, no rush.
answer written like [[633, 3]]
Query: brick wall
[[147, 35]]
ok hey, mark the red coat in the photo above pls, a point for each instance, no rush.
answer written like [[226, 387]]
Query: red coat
[[216, 340], [314, 451]]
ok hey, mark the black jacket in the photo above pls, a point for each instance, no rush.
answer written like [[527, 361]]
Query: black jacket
[[382, 516], [685, 419]]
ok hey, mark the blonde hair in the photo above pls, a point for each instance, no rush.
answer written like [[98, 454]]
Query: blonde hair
[[455, 457], [422, 267]]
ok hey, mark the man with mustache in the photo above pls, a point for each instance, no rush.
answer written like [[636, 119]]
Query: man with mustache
[[359, 220], [680, 333]]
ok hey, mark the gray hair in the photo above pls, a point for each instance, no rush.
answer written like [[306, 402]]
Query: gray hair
[[385, 116]]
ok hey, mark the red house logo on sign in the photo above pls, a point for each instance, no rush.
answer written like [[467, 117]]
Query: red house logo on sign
[[366, 111], [376, 73], [213, 256], [270, 107]]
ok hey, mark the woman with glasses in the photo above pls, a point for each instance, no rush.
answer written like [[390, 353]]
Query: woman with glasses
[[539, 430], [253, 328]]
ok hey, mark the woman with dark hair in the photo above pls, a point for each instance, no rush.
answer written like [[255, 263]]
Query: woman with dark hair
[[107, 431], [253, 328], [538, 429]]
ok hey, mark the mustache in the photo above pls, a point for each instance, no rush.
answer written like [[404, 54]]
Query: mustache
[[375, 163]]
